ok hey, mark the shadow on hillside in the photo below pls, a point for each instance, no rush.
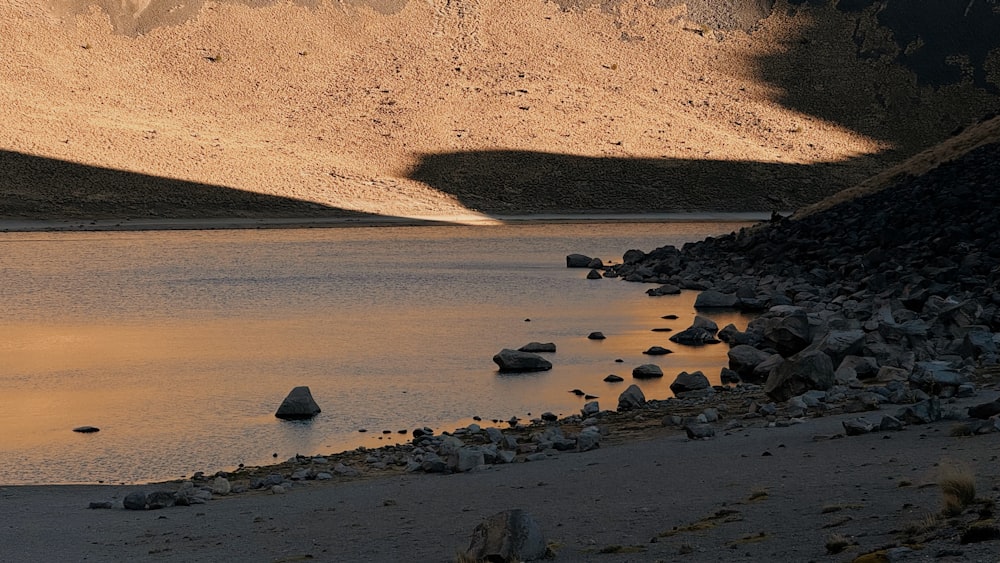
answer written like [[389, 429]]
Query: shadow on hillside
[[506, 181], [905, 74], [34, 187], [885, 72]]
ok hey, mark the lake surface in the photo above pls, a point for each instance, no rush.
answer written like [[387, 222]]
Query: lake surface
[[180, 345]]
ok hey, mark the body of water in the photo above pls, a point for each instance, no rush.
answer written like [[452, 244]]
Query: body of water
[[180, 345]]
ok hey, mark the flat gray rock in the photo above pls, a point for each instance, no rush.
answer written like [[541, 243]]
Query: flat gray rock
[[515, 361]]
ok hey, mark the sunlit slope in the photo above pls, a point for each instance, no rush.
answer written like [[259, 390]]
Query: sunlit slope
[[442, 107]]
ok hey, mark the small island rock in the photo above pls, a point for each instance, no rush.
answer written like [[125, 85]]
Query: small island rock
[[516, 361], [298, 405]]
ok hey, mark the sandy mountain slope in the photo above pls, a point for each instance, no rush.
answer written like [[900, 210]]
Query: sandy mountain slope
[[174, 108]]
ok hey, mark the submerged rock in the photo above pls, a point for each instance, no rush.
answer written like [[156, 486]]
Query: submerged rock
[[631, 398], [535, 347]]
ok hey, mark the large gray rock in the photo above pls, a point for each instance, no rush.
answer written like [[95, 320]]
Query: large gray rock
[[135, 500], [631, 398], [507, 537], [788, 334], [979, 345], [865, 367], [838, 344], [924, 412], [589, 439], [933, 377], [766, 368], [466, 458], [298, 405], [665, 289], [578, 261], [686, 382], [743, 359], [699, 431], [647, 371], [516, 361], [705, 323], [712, 299], [695, 336], [802, 372]]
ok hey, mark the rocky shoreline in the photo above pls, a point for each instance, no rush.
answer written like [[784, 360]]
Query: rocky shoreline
[[886, 307]]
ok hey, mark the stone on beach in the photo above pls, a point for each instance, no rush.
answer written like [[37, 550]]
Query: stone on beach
[[298, 405], [631, 398], [86, 429], [578, 261], [800, 373], [514, 361], [508, 537]]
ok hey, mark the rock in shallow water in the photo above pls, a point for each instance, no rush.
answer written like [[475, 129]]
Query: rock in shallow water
[[647, 371], [516, 361], [298, 405]]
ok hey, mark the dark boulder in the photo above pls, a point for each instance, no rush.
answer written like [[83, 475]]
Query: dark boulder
[[985, 410], [578, 261], [694, 336], [516, 361], [788, 334], [711, 299], [507, 537], [686, 382], [800, 373], [298, 405], [743, 359], [631, 398], [665, 289], [647, 371]]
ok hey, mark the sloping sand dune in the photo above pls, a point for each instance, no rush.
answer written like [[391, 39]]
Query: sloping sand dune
[[170, 108]]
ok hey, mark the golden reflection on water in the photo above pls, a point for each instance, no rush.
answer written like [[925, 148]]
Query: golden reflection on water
[[107, 366], [179, 347]]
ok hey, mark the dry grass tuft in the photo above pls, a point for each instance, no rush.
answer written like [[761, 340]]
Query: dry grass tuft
[[960, 429], [958, 488], [836, 543]]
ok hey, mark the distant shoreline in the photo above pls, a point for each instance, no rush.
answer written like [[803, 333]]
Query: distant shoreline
[[236, 223]]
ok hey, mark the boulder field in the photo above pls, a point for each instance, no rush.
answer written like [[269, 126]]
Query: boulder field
[[896, 291]]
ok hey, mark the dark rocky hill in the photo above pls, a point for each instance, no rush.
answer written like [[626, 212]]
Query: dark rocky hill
[[898, 284]]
